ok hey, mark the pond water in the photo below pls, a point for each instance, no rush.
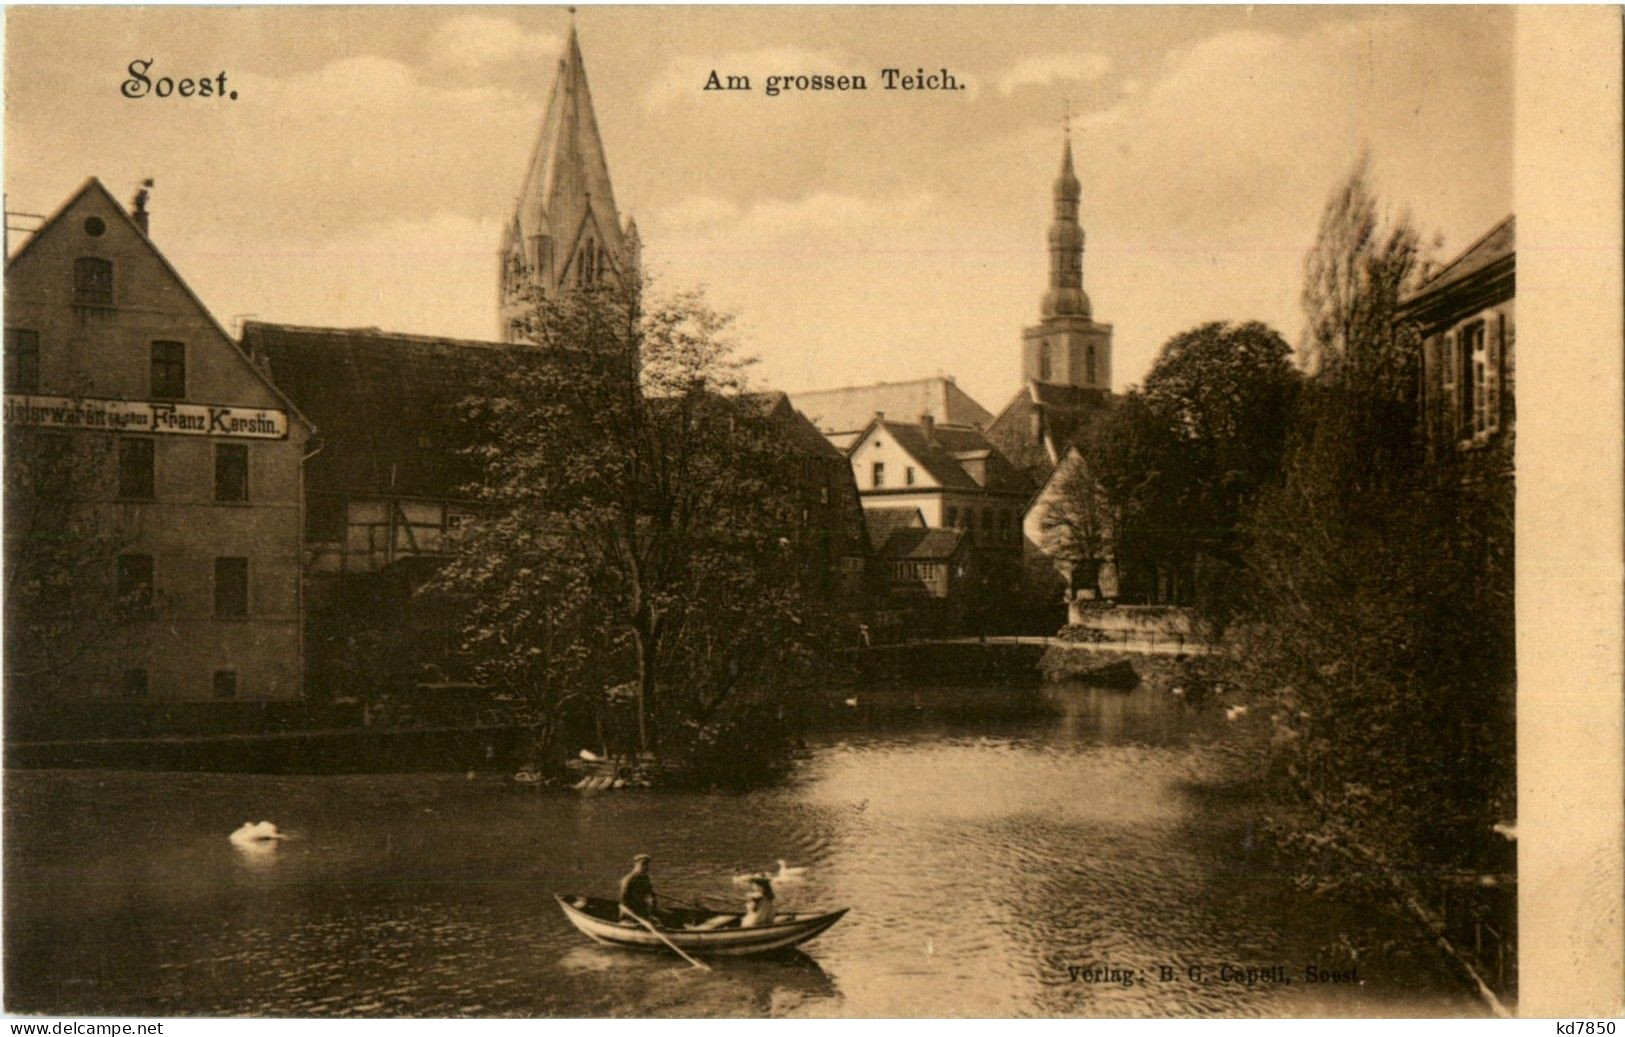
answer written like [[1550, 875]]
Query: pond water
[[1003, 852]]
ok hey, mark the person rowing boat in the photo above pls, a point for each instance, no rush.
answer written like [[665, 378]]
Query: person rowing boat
[[638, 892]]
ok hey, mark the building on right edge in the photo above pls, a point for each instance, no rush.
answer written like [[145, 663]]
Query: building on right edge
[[1464, 313]]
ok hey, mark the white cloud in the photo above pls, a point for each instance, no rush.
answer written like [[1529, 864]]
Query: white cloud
[[474, 41], [1045, 69]]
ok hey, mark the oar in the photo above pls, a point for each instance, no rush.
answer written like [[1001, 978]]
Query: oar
[[697, 963], [689, 903]]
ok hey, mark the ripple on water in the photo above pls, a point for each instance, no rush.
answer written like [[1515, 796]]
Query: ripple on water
[[980, 861]]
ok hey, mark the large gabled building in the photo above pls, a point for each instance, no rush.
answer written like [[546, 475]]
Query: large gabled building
[[171, 463]]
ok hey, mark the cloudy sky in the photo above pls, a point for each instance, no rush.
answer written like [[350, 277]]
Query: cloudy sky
[[363, 173]]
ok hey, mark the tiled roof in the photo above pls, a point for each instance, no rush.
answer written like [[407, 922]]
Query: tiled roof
[[854, 406], [1065, 412], [883, 522], [800, 431], [923, 545], [943, 451], [1498, 243], [385, 405]]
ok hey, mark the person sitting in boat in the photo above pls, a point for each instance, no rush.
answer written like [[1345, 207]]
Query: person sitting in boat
[[637, 891], [759, 908]]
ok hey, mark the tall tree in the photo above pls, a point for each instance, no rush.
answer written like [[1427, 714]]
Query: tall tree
[[641, 518], [1176, 463], [1354, 275], [1381, 586]]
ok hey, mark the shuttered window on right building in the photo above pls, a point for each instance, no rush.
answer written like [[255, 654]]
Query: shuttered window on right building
[[1474, 352]]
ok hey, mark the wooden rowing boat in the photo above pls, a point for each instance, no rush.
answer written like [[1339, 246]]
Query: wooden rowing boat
[[600, 920]]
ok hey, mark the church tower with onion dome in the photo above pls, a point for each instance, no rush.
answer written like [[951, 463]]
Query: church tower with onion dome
[[1067, 347], [565, 232]]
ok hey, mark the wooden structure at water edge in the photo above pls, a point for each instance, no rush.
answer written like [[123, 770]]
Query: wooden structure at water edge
[[601, 774]]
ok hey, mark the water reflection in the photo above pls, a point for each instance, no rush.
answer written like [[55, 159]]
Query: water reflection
[[258, 855], [985, 851]]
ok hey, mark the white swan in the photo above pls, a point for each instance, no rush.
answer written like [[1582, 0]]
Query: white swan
[[251, 833], [789, 874], [786, 875]]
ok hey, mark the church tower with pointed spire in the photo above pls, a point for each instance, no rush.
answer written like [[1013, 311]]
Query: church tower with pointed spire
[[565, 232], [1067, 347]]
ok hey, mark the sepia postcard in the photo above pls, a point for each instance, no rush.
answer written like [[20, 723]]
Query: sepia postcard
[[812, 511]]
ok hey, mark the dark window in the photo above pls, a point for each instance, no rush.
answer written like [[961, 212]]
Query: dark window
[[908, 475], [231, 587], [92, 282], [135, 581], [135, 469], [953, 518], [94, 226], [1044, 362], [225, 684], [1091, 365], [878, 474], [168, 371], [48, 462], [134, 684], [230, 472], [22, 360], [324, 517]]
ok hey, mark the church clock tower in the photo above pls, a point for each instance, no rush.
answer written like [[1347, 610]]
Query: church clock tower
[[565, 232], [1067, 347]]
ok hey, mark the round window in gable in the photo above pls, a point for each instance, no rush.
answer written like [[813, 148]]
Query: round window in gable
[[94, 226]]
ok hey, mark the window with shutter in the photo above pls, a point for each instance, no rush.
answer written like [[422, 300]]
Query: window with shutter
[[1449, 378], [1495, 348], [1470, 385]]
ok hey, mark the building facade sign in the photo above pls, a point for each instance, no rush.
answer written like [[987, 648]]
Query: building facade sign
[[156, 417]]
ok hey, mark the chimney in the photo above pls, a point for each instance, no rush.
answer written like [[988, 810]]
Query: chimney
[[138, 208], [929, 423]]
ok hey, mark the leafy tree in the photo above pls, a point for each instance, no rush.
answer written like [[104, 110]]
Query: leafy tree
[[62, 541], [1380, 589], [1224, 394], [642, 537], [1354, 276], [1173, 466]]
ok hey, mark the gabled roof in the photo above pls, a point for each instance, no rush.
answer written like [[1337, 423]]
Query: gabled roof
[[943, 450], [854, 406], [93, 184], [883, 522], [1498, 243], [386, 404], [923, 545], [1064, 412], [795, 425]]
